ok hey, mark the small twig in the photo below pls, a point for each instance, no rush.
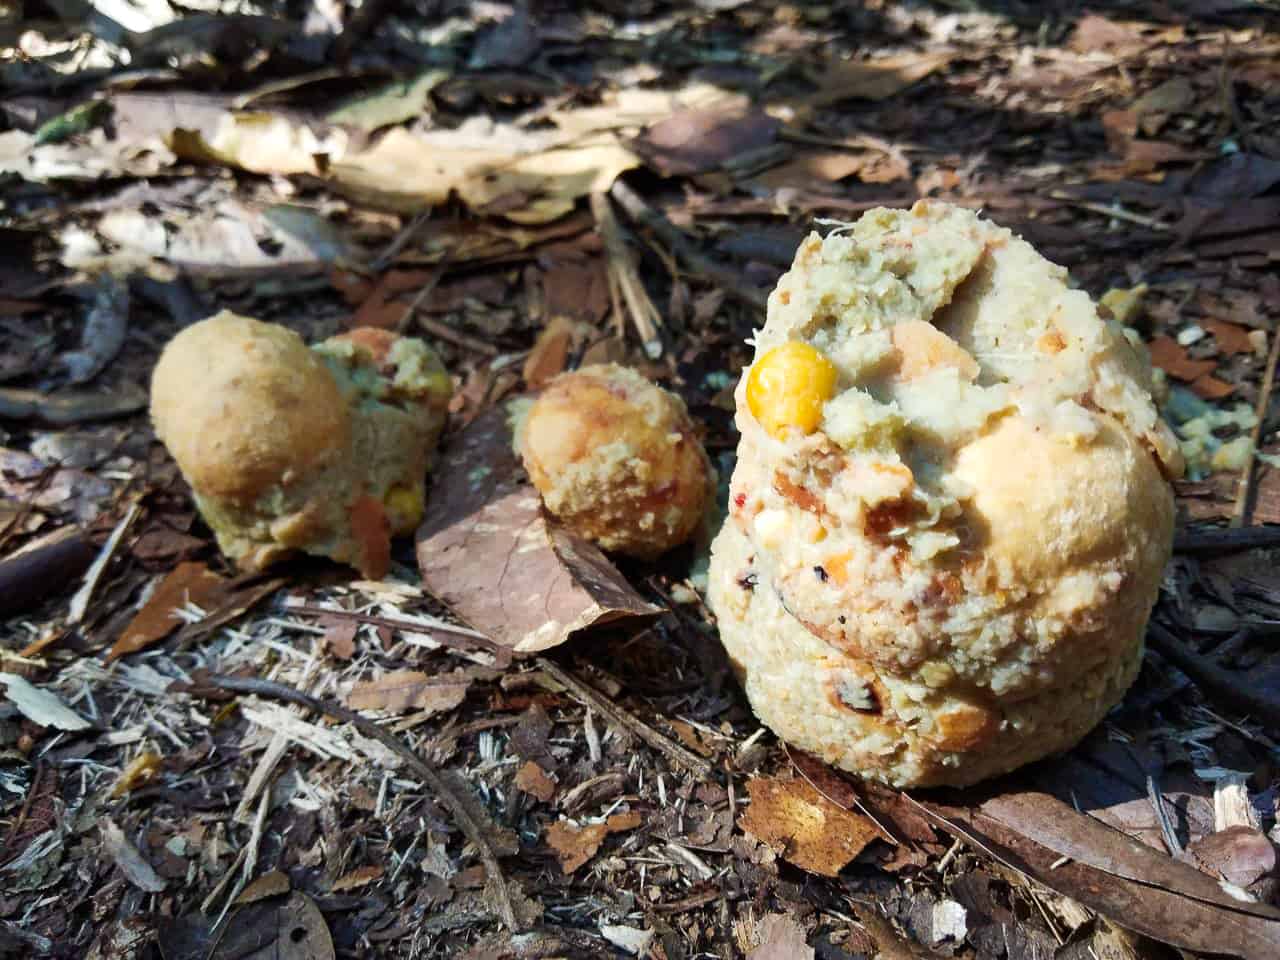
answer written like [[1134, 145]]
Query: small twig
[[457, 636], [1223, 687], [438, 328], [80, 602], [473, 831], [1162, 817], [399, 242], [589, 697], [1117, 213], [1227, 539], [1241, 511], [645, 215], [622, 268]]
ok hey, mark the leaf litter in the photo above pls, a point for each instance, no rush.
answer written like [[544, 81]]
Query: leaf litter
[[452, 171]]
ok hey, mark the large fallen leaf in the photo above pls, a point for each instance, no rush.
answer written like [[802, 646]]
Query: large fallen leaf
[[410, 172], [639, 107], [396, 102], [876, 79], [188, 583], [803, 826], [403, 690], [260, 142], [487, 549]]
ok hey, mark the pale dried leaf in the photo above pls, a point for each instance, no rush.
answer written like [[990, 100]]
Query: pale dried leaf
[[407, 172], [126, 856], [40, 706], [632, 940]]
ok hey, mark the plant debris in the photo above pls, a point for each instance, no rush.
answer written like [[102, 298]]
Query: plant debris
[[533, 188]]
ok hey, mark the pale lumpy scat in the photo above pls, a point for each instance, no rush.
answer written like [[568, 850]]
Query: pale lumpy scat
[[984, 508]]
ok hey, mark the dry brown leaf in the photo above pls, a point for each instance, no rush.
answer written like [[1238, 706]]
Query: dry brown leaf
[[533, 780], [781, 938], [695, 141], [1211, 388], [1230, 337], [402, 690], [271, 884], [188, 583], [1239, 854], [804, 827], [816, 169], [876, 79], [550, 352], [1154, 107], [1113, 874], [1171, 357], [339, 636], [359, 877], [487, 549]]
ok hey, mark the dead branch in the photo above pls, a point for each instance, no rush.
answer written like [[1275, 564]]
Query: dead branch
[[473, 831], [1227, 539], [1242, 509]]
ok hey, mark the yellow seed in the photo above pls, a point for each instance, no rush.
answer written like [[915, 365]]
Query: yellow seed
[[788, 386], [404, 509]]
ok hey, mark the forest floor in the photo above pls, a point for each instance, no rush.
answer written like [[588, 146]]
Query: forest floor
[[530, 187]]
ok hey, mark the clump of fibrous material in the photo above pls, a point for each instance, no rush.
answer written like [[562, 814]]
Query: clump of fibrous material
[[617, 460], [951, 508], [322, 451]]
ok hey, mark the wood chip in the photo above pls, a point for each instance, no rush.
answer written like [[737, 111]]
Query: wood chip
[[533, 780], [404, 690], [804, 827]]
